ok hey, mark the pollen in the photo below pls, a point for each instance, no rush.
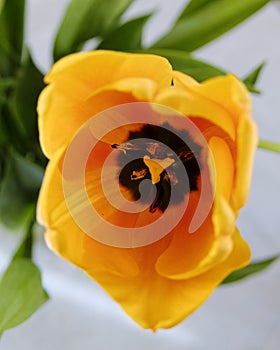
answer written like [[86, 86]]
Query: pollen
[[138, 174]]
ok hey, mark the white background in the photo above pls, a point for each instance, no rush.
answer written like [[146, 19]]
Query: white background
[[243, 316]]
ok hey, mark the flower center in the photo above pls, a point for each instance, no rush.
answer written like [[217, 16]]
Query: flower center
[[140, 159]]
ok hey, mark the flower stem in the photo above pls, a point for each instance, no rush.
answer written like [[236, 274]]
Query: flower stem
[[269, 146]]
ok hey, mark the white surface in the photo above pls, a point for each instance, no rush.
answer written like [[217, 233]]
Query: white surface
[[244, 316]]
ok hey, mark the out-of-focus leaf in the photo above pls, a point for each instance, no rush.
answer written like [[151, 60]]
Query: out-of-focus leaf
[[249, 270], [11, 135], [21, 293], [86, 19], [19, 189], [269, 146], [24, 250], [126, 37], [2, 4], [251, 79], [11, 29], [194, 6], [207, 21], [184, 62], [28, 87], [18, 117]]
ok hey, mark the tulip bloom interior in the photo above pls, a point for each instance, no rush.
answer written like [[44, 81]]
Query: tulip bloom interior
[[125, 182]]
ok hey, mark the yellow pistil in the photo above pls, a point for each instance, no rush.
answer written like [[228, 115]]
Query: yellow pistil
[[157, 166]]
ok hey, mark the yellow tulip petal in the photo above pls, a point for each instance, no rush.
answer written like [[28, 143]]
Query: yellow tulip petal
[[194, 105], [224, 167], [157, 302], [189, 255], [67, 239], [246, 145], [94, 69], [227, 91], [176, 262], [74, 78], [62, 112]]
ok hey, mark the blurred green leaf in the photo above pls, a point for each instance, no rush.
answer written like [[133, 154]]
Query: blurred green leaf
[[2, 4], [19, 189], [28, 87], [269, 146], [249, 270], [207, 21], [194, 6], [126, 37], [11, 135], [11, 29], [85, 20], [24, 250], [251, 79], [21, 293], [18, 117]]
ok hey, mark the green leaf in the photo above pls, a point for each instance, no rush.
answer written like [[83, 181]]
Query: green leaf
[[126, 37], [249, 270], [19, 189], [194, 6], [10, 133], [251, 79], [21, 293], [2, 4], [184, 62], [269, 146], [18, 117], [28, 87], [254, 75], [24, 250], [207, 22], [11, 29], [83, 21]]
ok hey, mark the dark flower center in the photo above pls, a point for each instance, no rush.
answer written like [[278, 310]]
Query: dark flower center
[[152, 160]]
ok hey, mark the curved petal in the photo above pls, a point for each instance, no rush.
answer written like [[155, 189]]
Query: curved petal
[[214, 242], [190, 255], [63, 112], [224, 167], [75, 77], [227, 91], [194, 105], [246, 145], [157, 302], [93, 69], [67, 239]]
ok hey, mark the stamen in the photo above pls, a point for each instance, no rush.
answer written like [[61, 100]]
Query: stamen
[[138, 174], [186, 155], [124, 147], [153, 160]]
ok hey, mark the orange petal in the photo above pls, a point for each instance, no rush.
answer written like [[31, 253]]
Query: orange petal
[[66, 238]]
